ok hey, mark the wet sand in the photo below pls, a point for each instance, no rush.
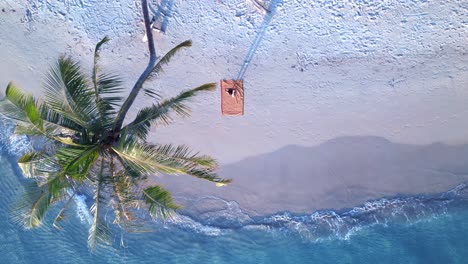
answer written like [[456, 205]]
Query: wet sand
[[340, 173]]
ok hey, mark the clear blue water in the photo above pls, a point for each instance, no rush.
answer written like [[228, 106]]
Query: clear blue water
[[404, 230]]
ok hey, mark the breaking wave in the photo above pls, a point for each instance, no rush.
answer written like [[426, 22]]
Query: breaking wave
[[82, 210], [326, 224], [14, 145]]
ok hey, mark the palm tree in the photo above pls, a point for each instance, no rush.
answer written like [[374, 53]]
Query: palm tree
[[91, 149]]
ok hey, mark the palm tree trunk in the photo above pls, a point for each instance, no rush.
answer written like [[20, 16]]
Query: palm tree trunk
[[138, 85]]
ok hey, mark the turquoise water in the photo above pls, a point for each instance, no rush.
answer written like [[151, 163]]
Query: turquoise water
[[400, 230]]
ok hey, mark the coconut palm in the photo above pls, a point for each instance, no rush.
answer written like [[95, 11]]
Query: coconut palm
[[90, 149]]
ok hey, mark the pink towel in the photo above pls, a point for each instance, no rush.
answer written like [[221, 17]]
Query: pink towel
[[232, 97]]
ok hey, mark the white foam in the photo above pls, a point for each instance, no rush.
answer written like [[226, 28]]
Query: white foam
[[82, 209], [343, 225], [11, 143], [189, 223]]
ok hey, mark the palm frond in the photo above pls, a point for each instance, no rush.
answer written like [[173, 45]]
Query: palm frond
[[31, 209], [161, 113], [56, 186], [39, 166], [61, 215], [167, 58], [124, 199], [98, 232], [38, 209], [50, 131], [131, 170], [110, 84], [33, 118], [59, 123], [105, 85], [9, 110], [151, 93], [77, 161], [108, 87], [96, 59], [141, 159], [158, 68], [159, 201], [147, 159], [29, 163], [183, 154], [67, 92], [200, 166], [25, 110], [122, 195]]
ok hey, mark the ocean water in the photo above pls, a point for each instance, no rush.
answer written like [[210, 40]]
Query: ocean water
[[423, 229]]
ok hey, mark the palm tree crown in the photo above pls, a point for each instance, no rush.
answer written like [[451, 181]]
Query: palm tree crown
[[90, 149]]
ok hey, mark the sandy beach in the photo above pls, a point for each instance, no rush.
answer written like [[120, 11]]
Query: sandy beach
[[394, 76]]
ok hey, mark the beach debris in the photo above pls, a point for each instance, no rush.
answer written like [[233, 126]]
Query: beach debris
[[232, 97], [157, 25], [259, 5], [160, 18], [161, 15]]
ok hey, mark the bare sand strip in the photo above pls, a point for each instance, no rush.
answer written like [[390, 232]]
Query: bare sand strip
[[340, 173]]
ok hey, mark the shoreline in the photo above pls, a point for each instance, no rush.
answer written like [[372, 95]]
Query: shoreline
[[307, 180], [213, 216], [340, 224]]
